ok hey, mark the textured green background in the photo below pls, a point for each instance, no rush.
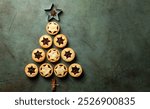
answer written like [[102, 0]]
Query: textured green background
[[111, 39]]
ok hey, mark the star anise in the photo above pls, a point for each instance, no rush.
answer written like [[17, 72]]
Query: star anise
[[38, 54], [67, 54], [75, 70], [45, 41], [60, 40], [31, 70]]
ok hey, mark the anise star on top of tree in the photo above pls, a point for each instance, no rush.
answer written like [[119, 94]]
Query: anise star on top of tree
[[45, 41], [60, 40], [67, 54], [75, 70], [31, 70], [38, 54]]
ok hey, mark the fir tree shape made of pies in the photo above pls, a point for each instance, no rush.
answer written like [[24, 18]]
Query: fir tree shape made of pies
[[53, 60]]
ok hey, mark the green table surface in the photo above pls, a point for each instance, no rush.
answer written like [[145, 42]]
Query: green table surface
[[110, 37]]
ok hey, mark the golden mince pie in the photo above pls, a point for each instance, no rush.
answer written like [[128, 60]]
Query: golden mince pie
[[53, 55], [38, 55], [60, 40], [45, 41], [52, 28], [31, 70], [68, 54], [46, 70], [60, 70], [75, 70]]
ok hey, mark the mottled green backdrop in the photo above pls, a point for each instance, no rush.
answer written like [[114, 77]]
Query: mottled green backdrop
[[111, 39]]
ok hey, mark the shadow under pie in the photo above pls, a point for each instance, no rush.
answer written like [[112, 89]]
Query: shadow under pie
[[63, 78], [80, 77], [49, 78], [34, 78]]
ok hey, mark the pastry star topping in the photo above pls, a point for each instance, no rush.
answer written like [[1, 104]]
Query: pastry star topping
[[75, 70], [45, 41], [61, 69], [38, 54], [53, 13], [67, 54], [53, 54], [46, 69], [60, 40], [31, 70]]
